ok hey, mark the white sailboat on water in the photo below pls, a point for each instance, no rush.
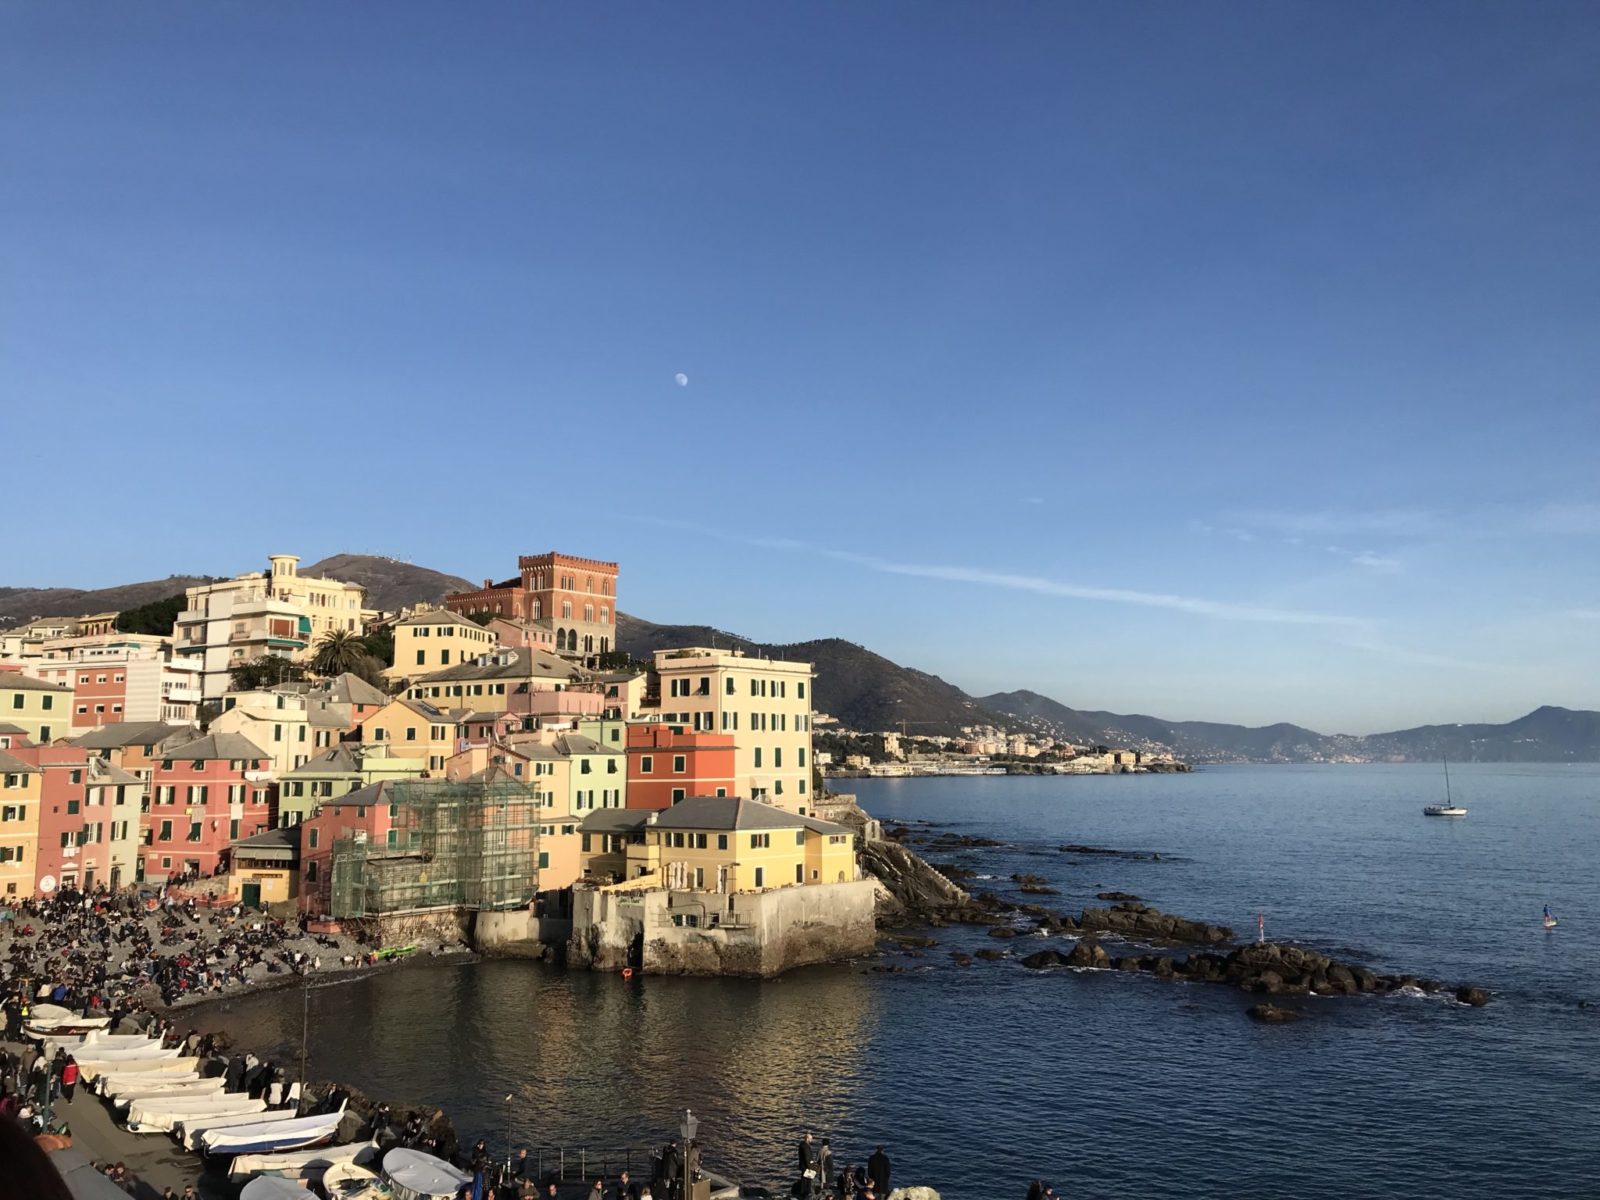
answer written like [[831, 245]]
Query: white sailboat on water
[[1449, 808]]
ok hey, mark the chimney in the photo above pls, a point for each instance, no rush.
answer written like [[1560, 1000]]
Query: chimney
[[488, 583]]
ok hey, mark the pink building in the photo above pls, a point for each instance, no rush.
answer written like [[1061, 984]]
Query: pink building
[[204, 796]]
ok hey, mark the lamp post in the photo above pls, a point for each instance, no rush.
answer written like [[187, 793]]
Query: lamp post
[[508, 1134], [686, 1130]]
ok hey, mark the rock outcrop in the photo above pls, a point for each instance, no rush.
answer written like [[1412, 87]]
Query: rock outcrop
[[1271, 1014], [1131, 918], [913, 888]]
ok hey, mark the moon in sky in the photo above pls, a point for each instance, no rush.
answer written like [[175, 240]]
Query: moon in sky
[[682, 379]]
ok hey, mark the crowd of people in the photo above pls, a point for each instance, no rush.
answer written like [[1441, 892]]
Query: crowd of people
[[102, 947], [821, 1177]]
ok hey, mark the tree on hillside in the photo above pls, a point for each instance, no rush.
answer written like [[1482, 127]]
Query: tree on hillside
[[339, 651], [157, 617], [380, 645], [266, 671]]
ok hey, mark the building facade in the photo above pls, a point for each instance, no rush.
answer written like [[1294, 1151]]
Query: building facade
[[42, 710], [21, 787], [273, 612], [205, 795], [764, 704], [574, 598], [667, 764], [434, 639]]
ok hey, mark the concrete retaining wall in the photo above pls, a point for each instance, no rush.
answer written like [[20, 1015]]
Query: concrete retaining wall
[[707, 933], [520, 934]]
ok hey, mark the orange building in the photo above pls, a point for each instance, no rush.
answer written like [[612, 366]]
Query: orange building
[[575, 599], [667, 764]]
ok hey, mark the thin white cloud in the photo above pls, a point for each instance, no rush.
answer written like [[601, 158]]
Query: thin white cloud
[[1421, 658], [1328, 523], [1038, 585], [1376, 562]]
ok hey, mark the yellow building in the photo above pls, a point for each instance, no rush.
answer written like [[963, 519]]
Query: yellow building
[[414, 730], [434, 639], [290, 725], [266, 868], [20, 812], [764, 703], [498, 681], [41, 710], [716, 844]]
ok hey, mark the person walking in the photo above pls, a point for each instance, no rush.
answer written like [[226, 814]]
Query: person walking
[[824, 1168]]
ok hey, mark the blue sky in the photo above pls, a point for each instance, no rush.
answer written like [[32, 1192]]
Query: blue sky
[[1219, 361]]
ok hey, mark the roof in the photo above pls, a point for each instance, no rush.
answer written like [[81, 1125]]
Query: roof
[[614, 820], [337, 760], [104, 774], [522, 662], [15, 766], [352, 689], [215, 746], [735, 812], [578, 743], [436, 616], [496, 773], [282, 845], [332, 714], [16, 681], [130, 733], [12, 729]]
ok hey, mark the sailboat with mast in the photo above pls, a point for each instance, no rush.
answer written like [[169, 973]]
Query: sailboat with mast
[[1449, 808]]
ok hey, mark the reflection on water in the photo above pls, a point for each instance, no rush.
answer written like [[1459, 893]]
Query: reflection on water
[[1106, 1084], [591, 1060]]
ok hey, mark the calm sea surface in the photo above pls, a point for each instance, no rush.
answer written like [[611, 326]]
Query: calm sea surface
[[1104, 1084]]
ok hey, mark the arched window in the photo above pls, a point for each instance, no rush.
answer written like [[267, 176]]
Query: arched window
[[561, 639]]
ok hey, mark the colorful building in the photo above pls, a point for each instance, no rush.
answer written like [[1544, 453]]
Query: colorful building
[[121, 677], [718, 844], [338, 771], [435, 638], [575, 599], [502, 680], [205, 795], [289, 723], [668, 764], [765, 704], [273, 612], [21, 788], [88, 820], [413, 729], [43, 711]]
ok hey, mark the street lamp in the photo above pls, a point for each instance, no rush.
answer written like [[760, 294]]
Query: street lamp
[[688, 1126], [508, 1133], [686, 1130]]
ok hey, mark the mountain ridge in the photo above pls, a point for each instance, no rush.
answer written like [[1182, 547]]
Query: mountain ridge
[[867, 692]]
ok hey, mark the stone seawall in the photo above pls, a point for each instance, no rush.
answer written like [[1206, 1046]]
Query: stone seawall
[[662, 932], [521, 934]]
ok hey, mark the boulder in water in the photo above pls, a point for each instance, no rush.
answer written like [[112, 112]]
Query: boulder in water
[[1475, 996], [914, 1193], [1272, 1014]]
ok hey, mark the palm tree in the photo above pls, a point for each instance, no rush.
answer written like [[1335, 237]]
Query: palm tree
[[338, 651]]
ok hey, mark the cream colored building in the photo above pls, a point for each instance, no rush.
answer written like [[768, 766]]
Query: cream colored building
[[277, 611], [41, 710], [764, 703], [20, 787], [436, 638], [291, 726]]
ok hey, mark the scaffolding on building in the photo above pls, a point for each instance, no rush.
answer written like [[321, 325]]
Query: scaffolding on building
[[468, 843]]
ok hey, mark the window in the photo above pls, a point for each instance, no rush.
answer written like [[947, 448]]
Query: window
[[646, 765], [583, 766], [544, 860], [313, 838], [761, 876], [194, 831], [758, 758], [311, 872], [72, 808], [777, 757], [802, 756], [678, 764], [411, 733], [760, 841], [422, 658], [233, 831], [166, 831], [800, 837], [677, 795], [47, 702]]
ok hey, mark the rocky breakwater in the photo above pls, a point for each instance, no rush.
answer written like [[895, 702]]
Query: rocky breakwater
[[1265, 968]]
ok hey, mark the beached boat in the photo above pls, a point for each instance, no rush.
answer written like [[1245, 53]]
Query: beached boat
[[115, 1075], [46, 1019], [79, 1044], [162, 1116], [413, 1175], [190, 1133], [116, 1054], [347, 1181], [143, 1087], [269, 1137], [270, 1187], [90, 1069], [302, 1164]]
